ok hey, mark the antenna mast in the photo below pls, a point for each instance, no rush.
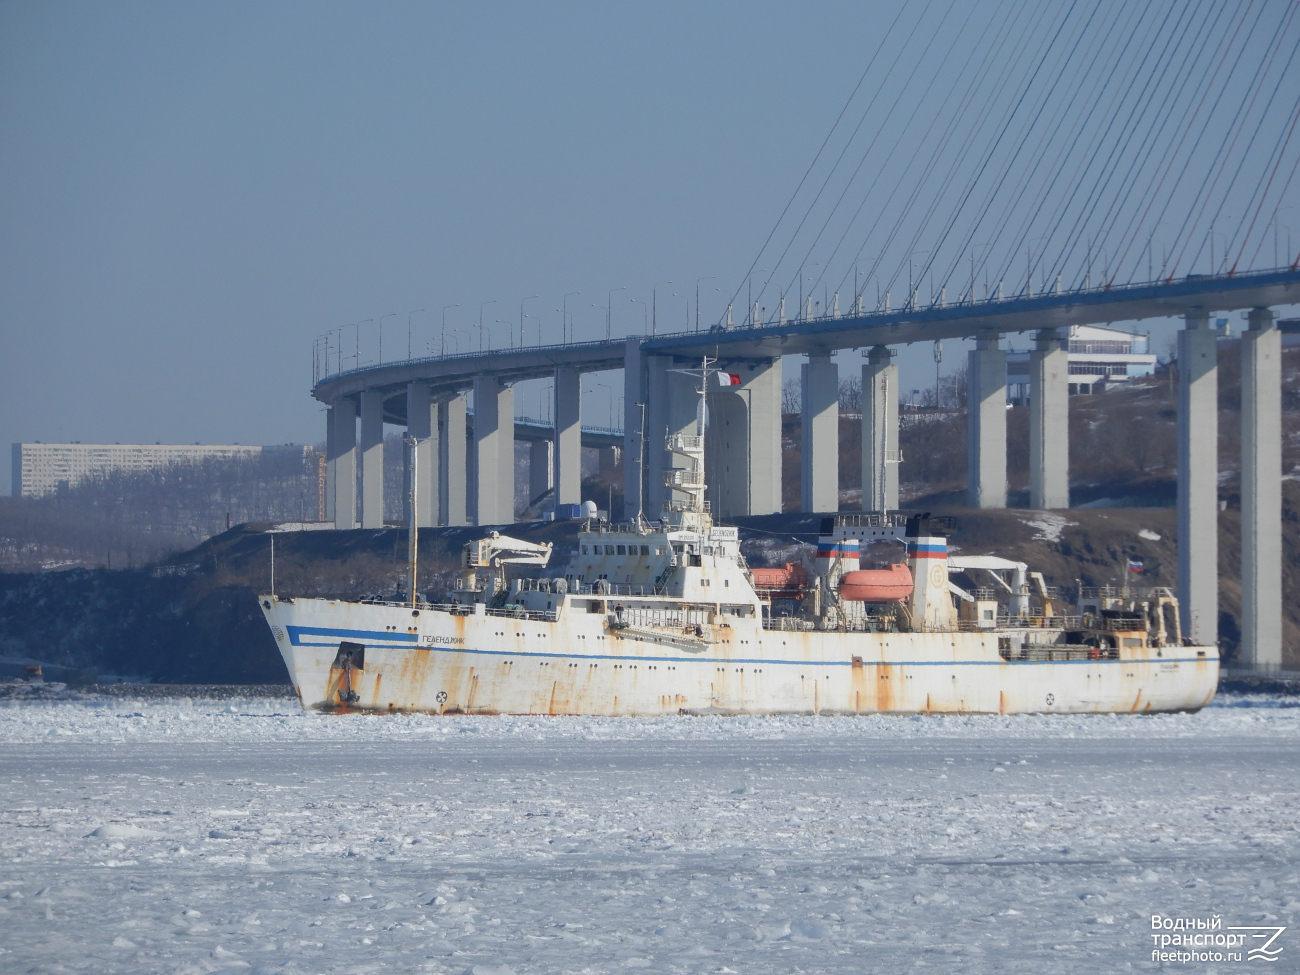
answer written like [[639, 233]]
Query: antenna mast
[[413, 531]]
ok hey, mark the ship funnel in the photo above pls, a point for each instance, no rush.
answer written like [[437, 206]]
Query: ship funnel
[[927, 557]]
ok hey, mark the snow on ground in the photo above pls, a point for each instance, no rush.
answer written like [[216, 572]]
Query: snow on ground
[[193, 836], [1049, 526]]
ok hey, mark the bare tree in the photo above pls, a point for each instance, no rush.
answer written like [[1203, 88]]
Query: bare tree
[[791, 396]]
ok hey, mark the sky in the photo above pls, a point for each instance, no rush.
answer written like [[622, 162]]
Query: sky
[[190, 195]]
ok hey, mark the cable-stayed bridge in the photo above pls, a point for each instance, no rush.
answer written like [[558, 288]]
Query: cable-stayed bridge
[[996, 170]]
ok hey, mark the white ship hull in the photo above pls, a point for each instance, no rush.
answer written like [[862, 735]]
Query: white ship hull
[[493, 661]]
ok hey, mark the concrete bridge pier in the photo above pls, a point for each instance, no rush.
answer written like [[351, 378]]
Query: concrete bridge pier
[[743, 462], [1261, 493], [819, 397], [452, 461], [1198, 480], [568, 436], [1049, 422], [372, 459], [422, 424], [880, 456], [328, 513], [986, 424], [494, 451], [343, 461], [540, 468]]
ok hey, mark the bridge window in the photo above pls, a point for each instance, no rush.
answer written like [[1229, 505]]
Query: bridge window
[[609, 549], [584, 550], [622, 550], [645, 550]]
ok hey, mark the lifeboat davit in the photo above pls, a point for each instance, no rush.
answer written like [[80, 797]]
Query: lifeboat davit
[[788, 576], [877, 585]]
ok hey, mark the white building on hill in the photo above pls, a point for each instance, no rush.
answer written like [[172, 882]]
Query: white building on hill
[[39, 468], [1100, 357]]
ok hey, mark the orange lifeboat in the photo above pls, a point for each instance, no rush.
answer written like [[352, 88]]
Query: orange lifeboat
[[877, 585], [788, 576]]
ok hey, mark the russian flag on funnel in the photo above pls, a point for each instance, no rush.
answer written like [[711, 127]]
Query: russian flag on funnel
[[1135, 566]]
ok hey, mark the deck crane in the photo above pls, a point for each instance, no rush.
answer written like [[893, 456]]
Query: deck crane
[[492, 554]]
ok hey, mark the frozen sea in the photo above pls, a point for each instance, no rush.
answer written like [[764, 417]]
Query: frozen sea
[[196, 836]]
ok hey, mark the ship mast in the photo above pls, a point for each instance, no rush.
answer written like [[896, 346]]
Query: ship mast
[[413, 530], [689, 479]]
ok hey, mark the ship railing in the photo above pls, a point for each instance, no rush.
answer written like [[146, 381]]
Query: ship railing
[[1040, 622], [788, 624], [687, 505], [1048, 652], [871, 519], [870, 624], [605, 589], [1126, 592], [1123, 624], [689, 624], [615, 589], [519, 613], [1103, 592], [614, 528], [682, 478], [982, 593], [683, 443]]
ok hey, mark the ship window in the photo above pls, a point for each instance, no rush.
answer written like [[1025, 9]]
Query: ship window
[[645, 549], [988, 614], [622, 550], [726, 582], [584, 550], [609, 549]]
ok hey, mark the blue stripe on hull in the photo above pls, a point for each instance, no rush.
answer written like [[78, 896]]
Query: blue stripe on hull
[[361, 636]]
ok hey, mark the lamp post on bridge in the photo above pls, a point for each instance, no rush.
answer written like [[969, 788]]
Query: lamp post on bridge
[[481, 306], [654, 307], [609, 309], [408, 331], [444, 326], [564, 320], [710, 277], [391, 314], [521, 320], [358, 338], [645, 313], [803, 309]]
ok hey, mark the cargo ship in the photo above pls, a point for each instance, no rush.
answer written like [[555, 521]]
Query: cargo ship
[[667, 618]]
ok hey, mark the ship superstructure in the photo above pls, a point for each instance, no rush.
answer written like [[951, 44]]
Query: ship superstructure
[[666, 617]]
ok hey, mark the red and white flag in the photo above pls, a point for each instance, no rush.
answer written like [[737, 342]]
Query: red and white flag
[[728, 379]]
